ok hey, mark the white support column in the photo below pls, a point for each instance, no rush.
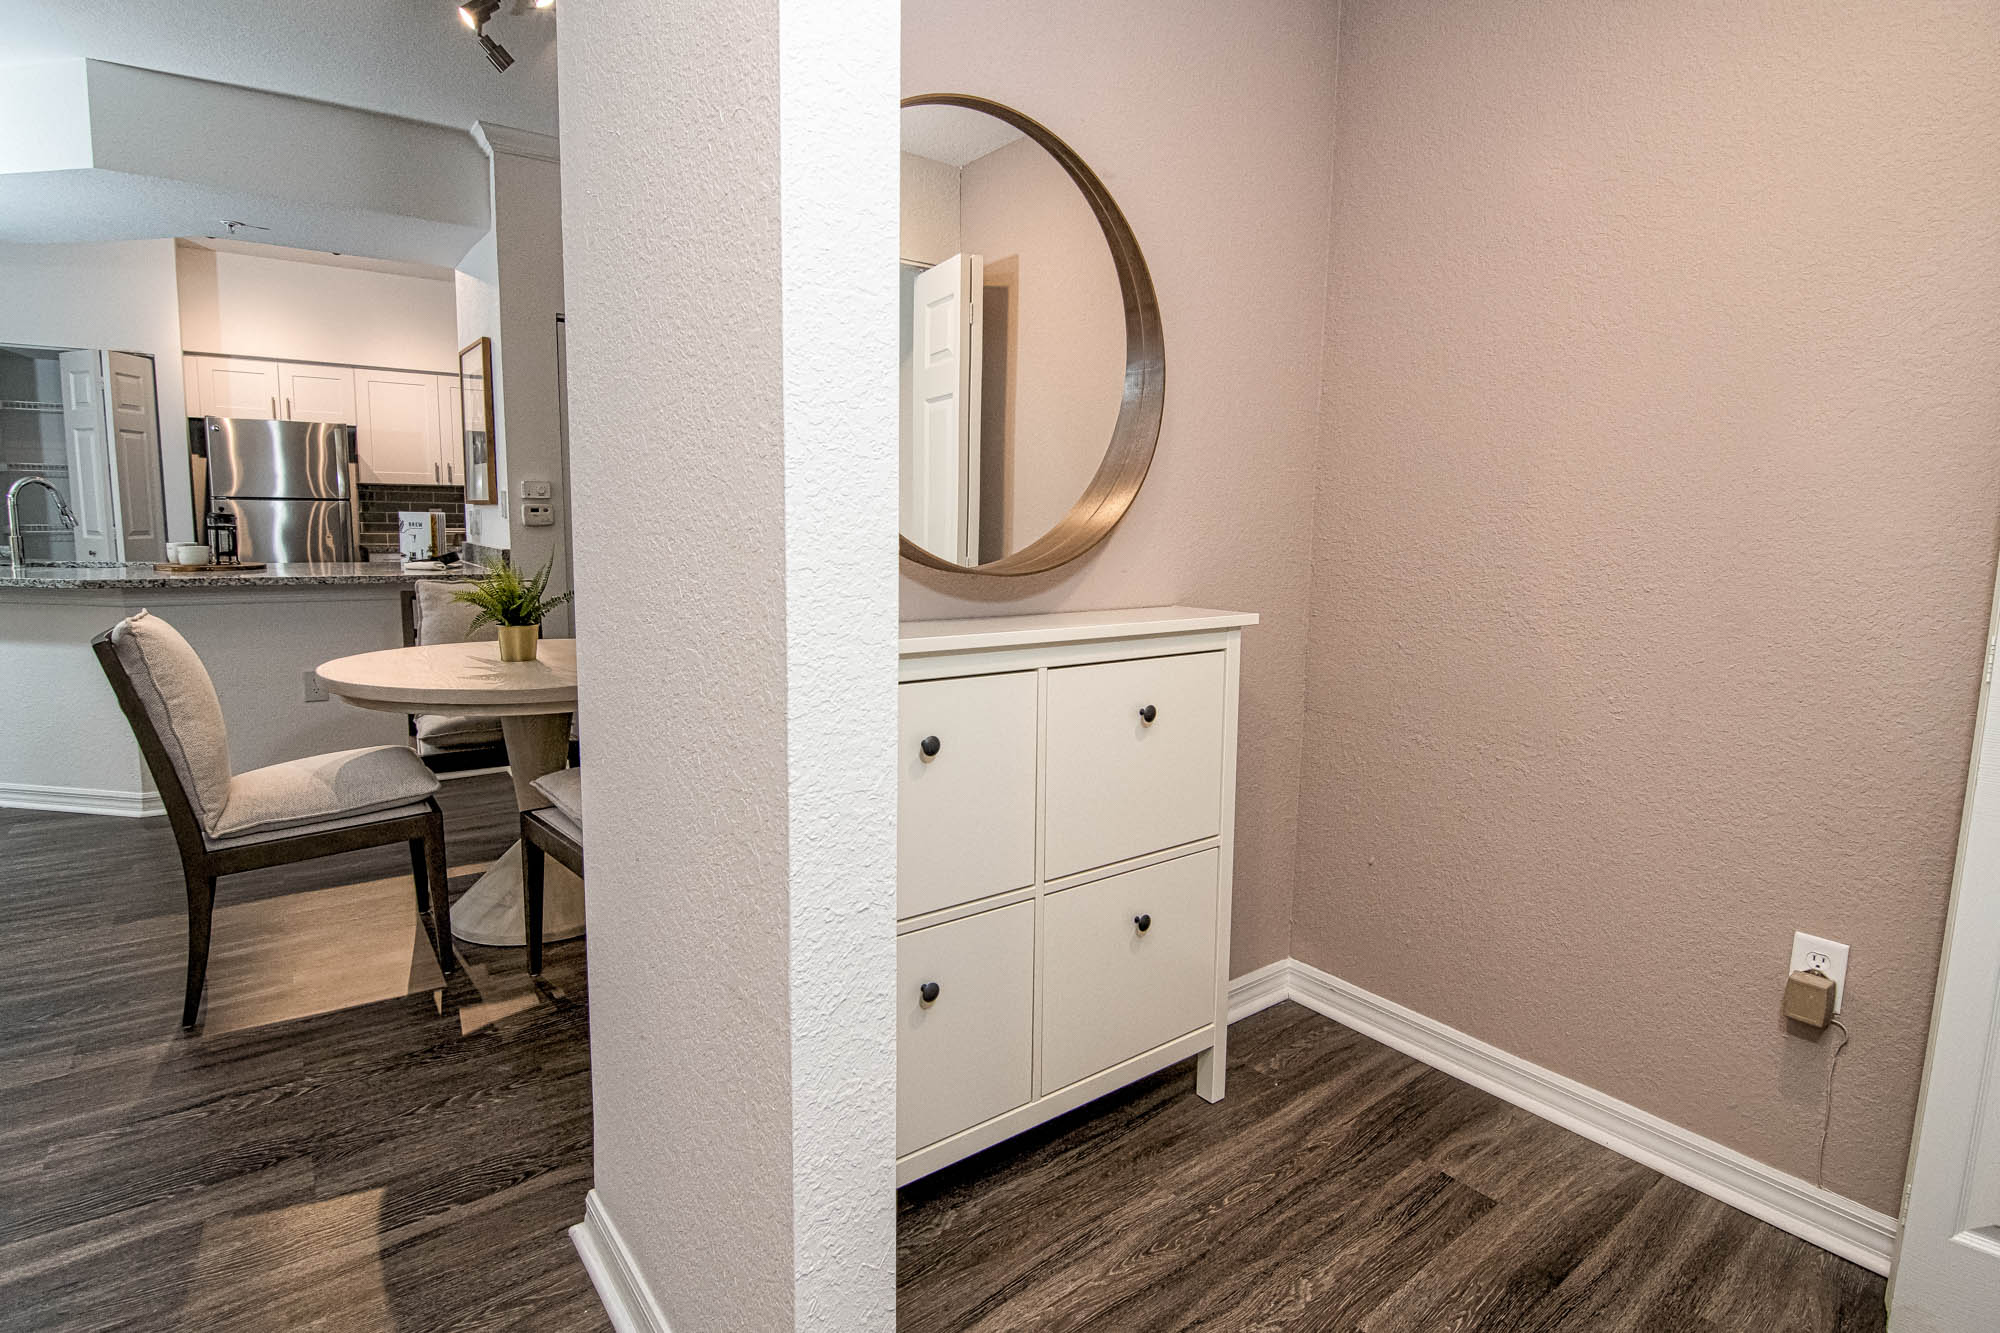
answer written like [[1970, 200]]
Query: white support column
[[730, 194]]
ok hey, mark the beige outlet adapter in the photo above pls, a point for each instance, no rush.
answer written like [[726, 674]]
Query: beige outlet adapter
[[1809, 998]]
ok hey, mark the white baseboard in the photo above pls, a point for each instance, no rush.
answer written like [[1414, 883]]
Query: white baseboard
[[628, 1302], [80, 800], [1831, 1221]]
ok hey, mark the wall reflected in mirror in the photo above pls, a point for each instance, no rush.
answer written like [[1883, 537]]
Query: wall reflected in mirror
[[1013, 337]]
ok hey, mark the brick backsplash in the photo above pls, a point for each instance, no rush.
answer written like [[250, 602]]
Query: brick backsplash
[[381, 504]]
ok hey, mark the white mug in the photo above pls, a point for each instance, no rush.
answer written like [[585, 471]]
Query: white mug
[[192, 553]]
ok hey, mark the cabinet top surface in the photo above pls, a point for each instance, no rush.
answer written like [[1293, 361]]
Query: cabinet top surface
[[920, 637]]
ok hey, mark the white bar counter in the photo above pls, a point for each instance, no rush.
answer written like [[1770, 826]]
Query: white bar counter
[[65, 746]]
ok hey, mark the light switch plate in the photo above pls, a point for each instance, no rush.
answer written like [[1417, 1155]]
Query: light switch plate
[[534, 490], [1812, 953]]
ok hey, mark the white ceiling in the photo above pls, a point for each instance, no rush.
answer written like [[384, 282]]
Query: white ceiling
[[954, 135], [409, 58]]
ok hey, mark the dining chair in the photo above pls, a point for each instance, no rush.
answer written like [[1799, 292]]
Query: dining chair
[[554, 830], [449, 741], [227, 822]]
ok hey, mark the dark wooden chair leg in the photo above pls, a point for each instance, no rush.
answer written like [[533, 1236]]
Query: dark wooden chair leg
[[532, 858], [201, 914], [433, 841], [421, 873]]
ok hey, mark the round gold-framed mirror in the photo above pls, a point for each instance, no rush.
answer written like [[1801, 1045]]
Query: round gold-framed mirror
[[1004, 528]]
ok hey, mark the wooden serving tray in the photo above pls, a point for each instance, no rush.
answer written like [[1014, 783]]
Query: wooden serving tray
[[206, 569]]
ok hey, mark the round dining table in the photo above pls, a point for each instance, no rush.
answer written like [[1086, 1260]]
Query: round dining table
[[533, 701]]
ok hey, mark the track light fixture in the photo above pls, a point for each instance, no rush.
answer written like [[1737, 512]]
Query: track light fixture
[[474, 13], [495, 52]]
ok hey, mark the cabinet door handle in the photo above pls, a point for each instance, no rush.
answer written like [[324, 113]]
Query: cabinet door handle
[[930, 745], [929, 992], [448, 476], [274, 404], [1144, 921], [288, 409], [1148, 713], [434, 471]]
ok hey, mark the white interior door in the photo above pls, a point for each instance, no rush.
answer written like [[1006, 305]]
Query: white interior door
[[1947, 1275], [88, 457], [940, 502], [137, 488]]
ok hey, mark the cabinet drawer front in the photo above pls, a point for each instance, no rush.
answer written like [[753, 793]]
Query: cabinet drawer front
[[1111, 990], [967, 1055], [965, 819], [1120, 786]]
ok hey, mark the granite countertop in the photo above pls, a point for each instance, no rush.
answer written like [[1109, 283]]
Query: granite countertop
[[350, 574]]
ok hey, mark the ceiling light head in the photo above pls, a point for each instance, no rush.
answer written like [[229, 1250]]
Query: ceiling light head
[[495, 53], [474, 13], [545, 4]]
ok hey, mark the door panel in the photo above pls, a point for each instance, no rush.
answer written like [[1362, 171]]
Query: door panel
[[317, 393], [227, 386], [966, 1056], [1948, 1257], [1120, 786], [940, 501], [399, 428], [89, 458], [1112, 990], [965, 818], [137, 486]]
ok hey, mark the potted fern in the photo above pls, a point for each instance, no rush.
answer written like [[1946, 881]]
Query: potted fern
[[516, 604]]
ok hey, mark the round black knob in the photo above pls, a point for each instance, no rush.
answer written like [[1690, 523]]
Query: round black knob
[[929, 990], [929, 745], [1148, 713], [1144, 921]]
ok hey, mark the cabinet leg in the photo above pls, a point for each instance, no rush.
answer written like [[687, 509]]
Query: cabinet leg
[[1210, 1069]]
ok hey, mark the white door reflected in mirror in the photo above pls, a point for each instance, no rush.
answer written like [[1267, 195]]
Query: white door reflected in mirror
[[1013, 337], [941, 418]]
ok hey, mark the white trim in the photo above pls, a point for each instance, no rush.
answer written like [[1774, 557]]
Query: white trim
[[81, 800], [1256, 991], [516, 143], [1831, 1221], [628, 1301]]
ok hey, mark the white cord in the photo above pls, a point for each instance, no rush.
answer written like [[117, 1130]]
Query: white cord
[[1826, 1124]]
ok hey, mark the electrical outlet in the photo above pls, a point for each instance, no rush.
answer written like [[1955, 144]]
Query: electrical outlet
[[1811, 953], [315, 688]]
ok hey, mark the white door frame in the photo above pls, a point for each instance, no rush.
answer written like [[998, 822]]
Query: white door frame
[[1947, 1270]]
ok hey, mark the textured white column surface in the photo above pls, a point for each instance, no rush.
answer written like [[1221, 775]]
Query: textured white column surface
[[729, 222]]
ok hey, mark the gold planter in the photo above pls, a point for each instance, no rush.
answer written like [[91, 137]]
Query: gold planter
[[517, 642]]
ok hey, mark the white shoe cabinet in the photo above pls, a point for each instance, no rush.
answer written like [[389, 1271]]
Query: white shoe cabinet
[[1067, 810]]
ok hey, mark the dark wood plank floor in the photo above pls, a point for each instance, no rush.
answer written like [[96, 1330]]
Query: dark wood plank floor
[[1341, 1186], [348, 1143]]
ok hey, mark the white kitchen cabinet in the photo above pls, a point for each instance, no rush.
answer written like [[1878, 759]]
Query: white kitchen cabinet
[[231, 386], [1093, 794], [399, 427], [316, 393], [451, 430]]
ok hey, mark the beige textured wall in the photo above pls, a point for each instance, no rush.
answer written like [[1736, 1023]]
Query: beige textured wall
[[1227, 193], [1659, 488]]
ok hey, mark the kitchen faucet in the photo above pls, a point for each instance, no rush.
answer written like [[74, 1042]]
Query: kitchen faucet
[[14, 552]]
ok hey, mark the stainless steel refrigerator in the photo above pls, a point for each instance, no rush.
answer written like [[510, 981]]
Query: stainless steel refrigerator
[[291, 485]]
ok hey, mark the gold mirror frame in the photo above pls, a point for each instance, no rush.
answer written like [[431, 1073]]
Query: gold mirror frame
[[484, 347], [1133, 439]]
